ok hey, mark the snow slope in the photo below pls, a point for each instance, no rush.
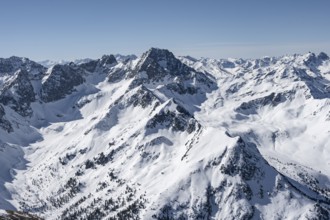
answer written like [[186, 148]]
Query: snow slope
[[160, 137]]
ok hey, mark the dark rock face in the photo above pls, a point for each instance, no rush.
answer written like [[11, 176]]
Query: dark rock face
[[323, 56], [142, 97], [6, 66], [108, 60], [318, 86], [273, 99], [258, 63], [18, 94], [4, 123], [243, 162], [321, 213], [311, 59], [13, 64], [157, 65], [10, 65], [313, 62], [11, 215], [61, 81], [116, 75], [100, 65], [89, 66], [179, 120], [227, 64], [181, 89]]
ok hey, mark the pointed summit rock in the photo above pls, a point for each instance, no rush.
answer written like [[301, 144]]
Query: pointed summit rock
[[160, 68], [157, 63]]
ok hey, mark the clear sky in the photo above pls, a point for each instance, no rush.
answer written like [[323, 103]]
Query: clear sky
[[70, 29]]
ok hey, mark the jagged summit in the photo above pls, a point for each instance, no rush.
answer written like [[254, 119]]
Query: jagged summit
[[160, 69], [158, 54], [158, 62]]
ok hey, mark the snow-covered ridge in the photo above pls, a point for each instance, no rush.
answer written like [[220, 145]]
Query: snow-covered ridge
[[166, 137]]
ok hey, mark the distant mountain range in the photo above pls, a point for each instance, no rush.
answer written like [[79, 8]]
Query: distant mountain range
[[50, 63], [165, 137]]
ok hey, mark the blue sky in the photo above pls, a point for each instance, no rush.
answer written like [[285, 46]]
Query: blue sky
[[70, 29]]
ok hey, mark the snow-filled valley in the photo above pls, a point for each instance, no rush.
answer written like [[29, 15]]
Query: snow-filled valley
[[165, 137]]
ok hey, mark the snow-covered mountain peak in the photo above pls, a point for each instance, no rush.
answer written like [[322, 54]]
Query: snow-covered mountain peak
[[166, 137], [160, 66]]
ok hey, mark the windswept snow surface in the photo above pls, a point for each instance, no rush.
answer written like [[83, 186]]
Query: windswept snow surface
[[160, 137]]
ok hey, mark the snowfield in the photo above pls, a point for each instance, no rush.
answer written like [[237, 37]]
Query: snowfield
[[165, 137]]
